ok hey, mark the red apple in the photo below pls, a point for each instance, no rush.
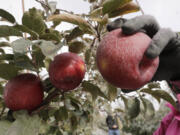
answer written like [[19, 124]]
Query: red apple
[[67, 71], [121, 60], [23, 92]]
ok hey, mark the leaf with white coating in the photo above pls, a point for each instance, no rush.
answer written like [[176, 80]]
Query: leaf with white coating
[[21, 45]]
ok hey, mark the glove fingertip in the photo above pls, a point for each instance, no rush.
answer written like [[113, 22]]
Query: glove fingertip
[[152, 51], [128, 30]]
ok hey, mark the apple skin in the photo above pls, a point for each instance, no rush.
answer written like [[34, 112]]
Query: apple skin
[[23, 92], [67, 71], [121, 60]]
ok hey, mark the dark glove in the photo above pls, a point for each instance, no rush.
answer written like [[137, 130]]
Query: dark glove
[[165, 44], [148, 25]]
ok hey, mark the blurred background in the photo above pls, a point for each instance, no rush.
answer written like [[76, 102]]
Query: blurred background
[[167, 12]]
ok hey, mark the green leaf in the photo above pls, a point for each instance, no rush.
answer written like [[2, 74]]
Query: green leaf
[[38, 56], [61, 114], [50, 36], [119, 110], [33, 19], [47, 62], [88, 56], [54, 130], [76, 32], [96, 12], [1, 104], [151, 92], [2, 51], [128, 8], [48, 86], [166, 96], [52, 6], [1, 89], [72, 103], [160, 94], [93, 89], [24, 124], [44, 114], [25, 29], [125, 100], [74, 100], [23, 61], [74, 122], [153, 85], [104, 20], [110, 5], [148, 108], [8, 57], [49, 49], [5, 44], [6, 15], [76, 46], [68, 104], [21, 45], [91, 1], [6, 31], [112, 92], [8, 71], [74, 19], [133, 109]]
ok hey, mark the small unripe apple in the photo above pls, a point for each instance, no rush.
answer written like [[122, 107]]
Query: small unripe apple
[[23, 92], [121, 60], [67, 71]]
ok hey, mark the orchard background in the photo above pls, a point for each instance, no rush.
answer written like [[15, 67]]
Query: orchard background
[[30, 46]]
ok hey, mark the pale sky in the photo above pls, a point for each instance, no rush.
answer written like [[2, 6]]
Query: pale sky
[[167, 12]]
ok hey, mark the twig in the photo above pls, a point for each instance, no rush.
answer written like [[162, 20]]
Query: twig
[[3, 109], [92, 44], [45, 5], [23, 9], [98, 33], [140, 7]]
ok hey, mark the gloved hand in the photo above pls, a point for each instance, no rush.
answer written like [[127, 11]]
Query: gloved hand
[[165, 44]]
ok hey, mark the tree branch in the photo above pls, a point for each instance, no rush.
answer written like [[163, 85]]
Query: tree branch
[[46, 101], [142, 11], [2, 112]]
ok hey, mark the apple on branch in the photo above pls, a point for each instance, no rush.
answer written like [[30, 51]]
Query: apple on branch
[[23, 92], [67, 71]]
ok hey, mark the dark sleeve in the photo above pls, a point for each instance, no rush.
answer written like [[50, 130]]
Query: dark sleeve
[[108, 120]]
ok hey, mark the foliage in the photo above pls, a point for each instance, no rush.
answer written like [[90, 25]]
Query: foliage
[[145, 125], [36, 44]]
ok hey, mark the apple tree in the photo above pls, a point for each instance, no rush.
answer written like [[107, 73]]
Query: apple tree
[[37, 42]]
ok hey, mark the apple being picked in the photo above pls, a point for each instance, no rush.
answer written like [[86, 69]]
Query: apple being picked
[[67, 71], [23, 92], [121, 60]]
